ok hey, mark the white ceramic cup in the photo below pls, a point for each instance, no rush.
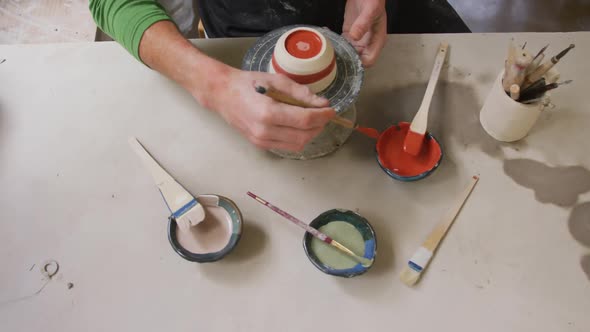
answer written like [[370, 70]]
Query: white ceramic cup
[[505, 119], [293, 65]]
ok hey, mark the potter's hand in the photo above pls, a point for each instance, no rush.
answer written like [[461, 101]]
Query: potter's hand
[[230, 92], [365, 26], [267, 123]]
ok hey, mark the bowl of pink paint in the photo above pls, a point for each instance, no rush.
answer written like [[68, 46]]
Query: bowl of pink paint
[[213, 238]]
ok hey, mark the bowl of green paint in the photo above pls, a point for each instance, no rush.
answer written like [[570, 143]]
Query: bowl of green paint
[[351, 230]]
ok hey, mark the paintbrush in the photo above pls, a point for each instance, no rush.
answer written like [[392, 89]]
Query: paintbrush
[[539, 83], [541, 90], [541, 51], [185, 209], [544, 68], [415, 137], [515, 91], [511, 53], [316, 233], [416, 265], [536, 60], [536, 100], [516, 72], [286, 99]]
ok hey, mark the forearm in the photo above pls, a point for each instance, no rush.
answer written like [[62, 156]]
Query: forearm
[[165, 50], [145, 30], [126, 20]]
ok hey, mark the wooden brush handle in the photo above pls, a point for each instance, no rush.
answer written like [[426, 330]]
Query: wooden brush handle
[[441, 229], [539, 72], [515, 91], [158, 173], [286, 99], [420, 121], [173, 193], [438, 63], [535, 64], [343, 122]]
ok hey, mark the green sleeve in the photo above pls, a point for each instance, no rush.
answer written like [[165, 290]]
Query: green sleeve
[[126, 20]]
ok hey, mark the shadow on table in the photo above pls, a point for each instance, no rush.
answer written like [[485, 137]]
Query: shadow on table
[[241, 263], [3, 125]]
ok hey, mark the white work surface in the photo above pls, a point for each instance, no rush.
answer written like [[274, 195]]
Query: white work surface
[[72, 190]]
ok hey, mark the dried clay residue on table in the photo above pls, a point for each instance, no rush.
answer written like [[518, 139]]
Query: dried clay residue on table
[[579, 223], [555, 185], [586, 265]]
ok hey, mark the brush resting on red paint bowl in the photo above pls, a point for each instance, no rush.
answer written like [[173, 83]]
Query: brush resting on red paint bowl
[[413, 143], [414, 140], [404, 166]]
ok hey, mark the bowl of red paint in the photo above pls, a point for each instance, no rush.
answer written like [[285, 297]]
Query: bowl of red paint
[[306, 56], [403, 166]]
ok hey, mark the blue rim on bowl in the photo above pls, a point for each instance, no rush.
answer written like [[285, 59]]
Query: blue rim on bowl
[[415, 177], [236, 226], [360, 223]]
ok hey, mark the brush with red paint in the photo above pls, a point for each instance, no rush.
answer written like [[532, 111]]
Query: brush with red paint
[[417, 131], [286, 99]]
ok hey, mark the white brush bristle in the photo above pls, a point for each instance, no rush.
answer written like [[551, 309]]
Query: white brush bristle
[[409, 276], [191, 218]]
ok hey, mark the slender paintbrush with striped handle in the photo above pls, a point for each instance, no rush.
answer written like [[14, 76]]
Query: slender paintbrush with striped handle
[[317, 234]]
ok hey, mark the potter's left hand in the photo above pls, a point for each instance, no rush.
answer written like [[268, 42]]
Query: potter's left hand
[[365, 26]]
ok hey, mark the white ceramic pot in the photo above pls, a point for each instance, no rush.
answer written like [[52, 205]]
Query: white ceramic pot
[[505, 119], [306, 56]]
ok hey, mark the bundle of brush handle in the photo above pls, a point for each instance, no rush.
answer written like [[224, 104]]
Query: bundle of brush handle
[[525, 78]]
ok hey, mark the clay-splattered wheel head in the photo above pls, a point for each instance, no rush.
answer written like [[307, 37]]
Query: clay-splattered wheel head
[[348, 70], [305, 56]]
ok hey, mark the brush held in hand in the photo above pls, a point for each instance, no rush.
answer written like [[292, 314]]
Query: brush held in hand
[[419, 261], [286, 99]]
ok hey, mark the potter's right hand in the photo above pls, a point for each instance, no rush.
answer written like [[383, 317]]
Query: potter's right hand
[[230, 92], [265, 122]]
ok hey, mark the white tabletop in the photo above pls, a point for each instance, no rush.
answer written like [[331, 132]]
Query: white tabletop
[[73, 191]]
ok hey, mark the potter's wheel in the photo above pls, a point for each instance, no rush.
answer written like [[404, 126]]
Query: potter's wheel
[[349, 77]]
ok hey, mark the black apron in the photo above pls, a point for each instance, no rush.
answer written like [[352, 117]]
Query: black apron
[[248, 18]]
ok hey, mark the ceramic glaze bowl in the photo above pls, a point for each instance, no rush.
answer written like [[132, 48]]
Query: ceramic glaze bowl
[[306, 56], [360, 224], [402, 166], [232, 215]]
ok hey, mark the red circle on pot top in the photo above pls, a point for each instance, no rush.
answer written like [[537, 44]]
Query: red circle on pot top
[[391, 154], [303, 44]]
